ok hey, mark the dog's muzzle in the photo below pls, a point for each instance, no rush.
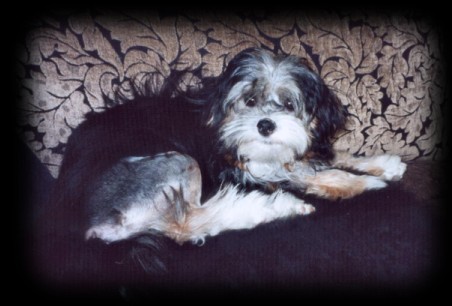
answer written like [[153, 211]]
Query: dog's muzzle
[[266, 127]]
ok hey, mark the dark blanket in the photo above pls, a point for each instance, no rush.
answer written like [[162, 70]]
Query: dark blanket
[[386, 242]]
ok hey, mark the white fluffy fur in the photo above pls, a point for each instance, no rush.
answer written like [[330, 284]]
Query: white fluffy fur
[[230, 209], [387, 167], [391, 166], [265, 155]]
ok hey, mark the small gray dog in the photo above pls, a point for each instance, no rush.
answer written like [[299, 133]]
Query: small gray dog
[[241, 152]]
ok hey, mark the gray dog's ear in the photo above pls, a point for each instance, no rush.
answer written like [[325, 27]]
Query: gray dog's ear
[[237, 69], [326, 111]]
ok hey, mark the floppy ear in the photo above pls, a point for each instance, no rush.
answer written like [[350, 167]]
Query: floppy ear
[[216, 90], [326, 110]]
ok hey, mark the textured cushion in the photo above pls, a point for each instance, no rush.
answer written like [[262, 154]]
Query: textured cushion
[[385, 68]]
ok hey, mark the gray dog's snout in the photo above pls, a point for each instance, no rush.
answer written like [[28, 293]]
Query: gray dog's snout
[[266, 127]]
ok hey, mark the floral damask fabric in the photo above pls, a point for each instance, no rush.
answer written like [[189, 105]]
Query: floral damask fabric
[[386, 69]]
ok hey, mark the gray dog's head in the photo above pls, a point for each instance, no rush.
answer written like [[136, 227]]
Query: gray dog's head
[[271, 110]]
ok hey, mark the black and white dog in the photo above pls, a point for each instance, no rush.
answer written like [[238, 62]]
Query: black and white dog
[[241, 152]]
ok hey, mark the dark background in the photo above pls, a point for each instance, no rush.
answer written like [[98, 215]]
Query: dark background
[[390, 243]]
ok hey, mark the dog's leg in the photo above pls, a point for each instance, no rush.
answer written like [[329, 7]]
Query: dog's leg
[[143, 194], [387, 167], [231, 209], [162, 194], [335, 184]]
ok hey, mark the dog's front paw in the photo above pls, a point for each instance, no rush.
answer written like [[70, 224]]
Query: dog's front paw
[[304, 209], [107, 234], [373, 183], [392, 167]]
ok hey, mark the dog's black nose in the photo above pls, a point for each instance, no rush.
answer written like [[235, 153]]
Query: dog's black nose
[[266, 127]]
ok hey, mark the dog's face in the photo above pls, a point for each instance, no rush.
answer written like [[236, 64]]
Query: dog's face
[[272, 110]]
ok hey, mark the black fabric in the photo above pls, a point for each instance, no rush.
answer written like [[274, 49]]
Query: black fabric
[[381, 239], [380, 243]]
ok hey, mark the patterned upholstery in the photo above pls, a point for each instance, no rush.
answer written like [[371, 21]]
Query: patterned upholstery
[[386, 69]]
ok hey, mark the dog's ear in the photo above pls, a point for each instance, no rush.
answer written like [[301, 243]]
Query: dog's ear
[[216, 90], [215, 93], [327, 114]]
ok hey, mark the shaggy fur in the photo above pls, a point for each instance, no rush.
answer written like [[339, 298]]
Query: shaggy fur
[[241, 152]]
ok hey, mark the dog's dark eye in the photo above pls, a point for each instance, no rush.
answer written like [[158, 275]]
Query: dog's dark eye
[[289, 106], [251, 102]]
